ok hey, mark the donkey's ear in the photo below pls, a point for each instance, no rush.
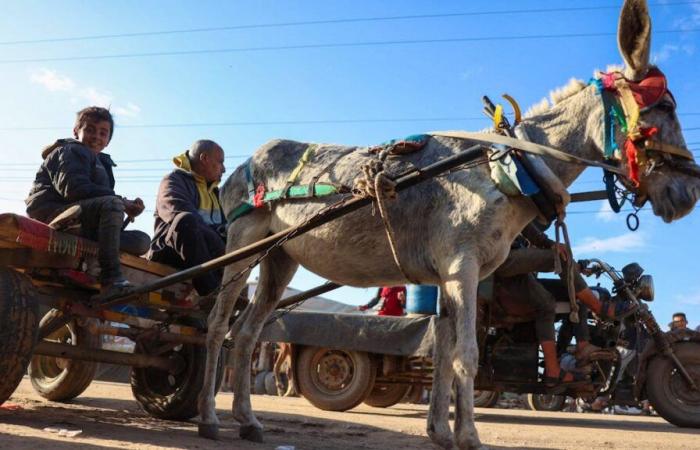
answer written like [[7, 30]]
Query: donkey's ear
[[634, 38]]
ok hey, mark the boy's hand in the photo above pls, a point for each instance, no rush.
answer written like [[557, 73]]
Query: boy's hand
[[134, 207]]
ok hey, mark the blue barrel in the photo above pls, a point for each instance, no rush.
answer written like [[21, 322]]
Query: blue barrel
[[421, 299]]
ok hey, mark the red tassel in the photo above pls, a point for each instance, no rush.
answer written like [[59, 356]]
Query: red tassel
[[632, 163], [259, 198]]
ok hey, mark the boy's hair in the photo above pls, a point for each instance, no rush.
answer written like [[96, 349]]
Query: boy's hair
[[680, 314], [94, 113]]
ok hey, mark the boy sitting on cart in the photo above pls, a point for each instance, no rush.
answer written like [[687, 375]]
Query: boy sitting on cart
[[75, 186]]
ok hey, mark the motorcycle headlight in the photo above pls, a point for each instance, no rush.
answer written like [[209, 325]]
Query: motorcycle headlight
[[631, 272], [645, 288]]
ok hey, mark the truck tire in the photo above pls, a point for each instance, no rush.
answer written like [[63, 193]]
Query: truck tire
[[173, 396], [667, 390], [546, 402], [386, 395], [61, 379], [486, 399], [333, 379], [19, 324]]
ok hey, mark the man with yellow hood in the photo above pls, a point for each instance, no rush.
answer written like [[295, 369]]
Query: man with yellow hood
[[190, 226]]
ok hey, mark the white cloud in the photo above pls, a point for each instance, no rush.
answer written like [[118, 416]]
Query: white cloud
[[632, 241], [691, 298], [52, 81], [664, 54], [605, 213], [91, 95]]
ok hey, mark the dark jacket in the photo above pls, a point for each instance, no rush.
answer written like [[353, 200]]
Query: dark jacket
[[183, 191], [70, 172]]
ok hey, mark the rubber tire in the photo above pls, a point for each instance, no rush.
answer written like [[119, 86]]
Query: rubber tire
[[663, 380], [485, 399], [160, 398], [259, 383], [61, 384], [386, 395], [546, 402], [414, 395], [347, 397], [270, 385], [19, 326]]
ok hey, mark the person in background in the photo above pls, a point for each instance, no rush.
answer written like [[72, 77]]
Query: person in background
[[678, 322], [393, 301]]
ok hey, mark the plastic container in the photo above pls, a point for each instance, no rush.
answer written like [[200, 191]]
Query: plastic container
[[421, 299]]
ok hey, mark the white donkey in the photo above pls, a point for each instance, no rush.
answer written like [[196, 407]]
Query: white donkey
[[451, 231]]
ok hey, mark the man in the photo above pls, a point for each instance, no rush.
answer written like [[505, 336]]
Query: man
[[393, 301], [533, 252], [678, 322], [190, 226], [75, 183]]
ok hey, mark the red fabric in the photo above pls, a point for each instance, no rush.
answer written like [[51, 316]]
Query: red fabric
[[650, 90], [631, 153], [39, 236], [259, 198], [391, 305]]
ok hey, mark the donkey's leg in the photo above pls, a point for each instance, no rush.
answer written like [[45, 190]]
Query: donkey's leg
[[218, 324], [443, 374], [276, 271], [461, 290]]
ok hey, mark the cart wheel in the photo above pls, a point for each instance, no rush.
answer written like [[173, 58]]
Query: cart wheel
[[19, 320], [486, 399], [61, 379], [259, 383], [270, 385], [415, 394], [172, 396], [334, 380], [386, 395], [546, 402]]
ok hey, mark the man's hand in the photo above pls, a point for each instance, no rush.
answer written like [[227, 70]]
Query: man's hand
[[562, 251], [134, 207]]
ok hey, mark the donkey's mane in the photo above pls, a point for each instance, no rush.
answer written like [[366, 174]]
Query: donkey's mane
[[574, 86]]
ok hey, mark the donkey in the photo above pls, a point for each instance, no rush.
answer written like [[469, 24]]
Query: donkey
[[451, 231]]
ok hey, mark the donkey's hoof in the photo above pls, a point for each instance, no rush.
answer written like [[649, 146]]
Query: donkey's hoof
[[208, 430], [251, 433]]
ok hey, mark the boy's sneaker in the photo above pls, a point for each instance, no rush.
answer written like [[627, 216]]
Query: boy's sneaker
[[115, 288], [67, 220]]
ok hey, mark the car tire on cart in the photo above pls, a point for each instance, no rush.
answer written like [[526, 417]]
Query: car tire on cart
[[668, 391], [486, 399], [19, 320], [62, 379], [169, 396], [333, 379], [386, 395], [546, 402]]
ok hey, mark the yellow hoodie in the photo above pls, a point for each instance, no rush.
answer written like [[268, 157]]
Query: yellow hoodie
[[209, 207]]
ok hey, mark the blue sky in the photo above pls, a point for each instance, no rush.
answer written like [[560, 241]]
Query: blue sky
[[244, 85]]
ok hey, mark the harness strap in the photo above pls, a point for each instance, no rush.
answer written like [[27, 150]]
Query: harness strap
[[525, 146]]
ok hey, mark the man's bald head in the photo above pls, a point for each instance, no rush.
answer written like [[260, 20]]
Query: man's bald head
[[207, 160]]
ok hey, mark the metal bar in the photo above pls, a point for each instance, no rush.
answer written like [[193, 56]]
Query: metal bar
[[318, 290], [588, 196], [134, 334], [412, 178], [104, 356]]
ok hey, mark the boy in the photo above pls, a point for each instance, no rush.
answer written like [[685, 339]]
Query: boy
[[76, 182]]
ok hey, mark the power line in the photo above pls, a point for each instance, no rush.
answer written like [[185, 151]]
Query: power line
[[328, 22], [326, 46]]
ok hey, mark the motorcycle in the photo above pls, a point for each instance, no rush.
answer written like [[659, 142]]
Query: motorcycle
[[667, 369]]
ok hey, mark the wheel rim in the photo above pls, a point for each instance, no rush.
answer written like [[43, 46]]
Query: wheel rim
[[48, 368], [678, 388], [333, 371], [164, 383], [547, 401]]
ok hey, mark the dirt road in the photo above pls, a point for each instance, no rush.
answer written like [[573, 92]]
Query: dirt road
[[110, 418]]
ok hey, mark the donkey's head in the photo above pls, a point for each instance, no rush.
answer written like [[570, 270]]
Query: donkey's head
[[642, 129]]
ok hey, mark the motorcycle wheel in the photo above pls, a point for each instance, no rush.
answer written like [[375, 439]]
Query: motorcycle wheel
[[546, 402], [668, 392]]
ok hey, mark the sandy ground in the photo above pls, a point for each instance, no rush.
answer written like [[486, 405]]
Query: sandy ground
[[110, 418]]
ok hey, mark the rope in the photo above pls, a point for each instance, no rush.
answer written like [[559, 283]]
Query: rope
[[375, 183]]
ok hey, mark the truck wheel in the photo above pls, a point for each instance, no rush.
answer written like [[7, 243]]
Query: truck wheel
[[334, 380], [61, 379], [546, 402], [19, 320], [669, 393], [486, 399], [259, 383], [165, 395], [386, 395]]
